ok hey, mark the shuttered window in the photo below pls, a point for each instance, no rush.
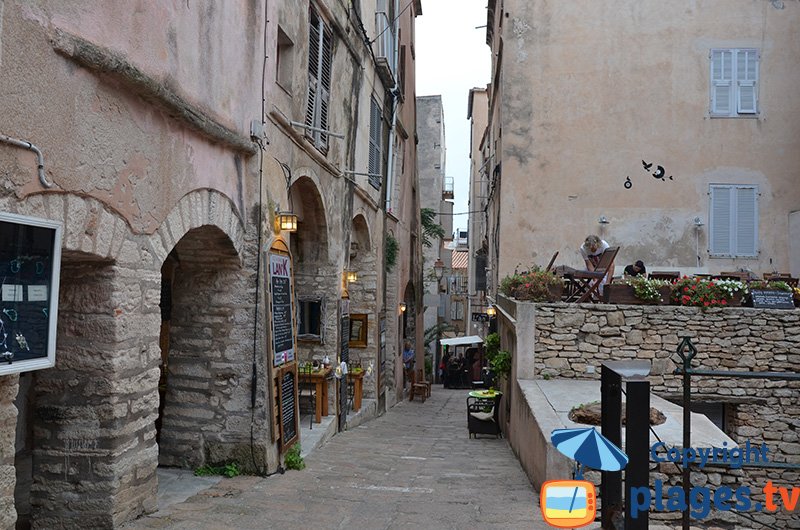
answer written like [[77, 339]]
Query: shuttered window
[[734, 82], [375, 144], [320, 58], [733, 220]]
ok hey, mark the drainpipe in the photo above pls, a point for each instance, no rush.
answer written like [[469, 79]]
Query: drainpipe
[[395, 96], [29, 146]]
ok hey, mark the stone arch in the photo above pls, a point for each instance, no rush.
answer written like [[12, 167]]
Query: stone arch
[[364, 295], [85, 421], [310, 243], [203, 207]]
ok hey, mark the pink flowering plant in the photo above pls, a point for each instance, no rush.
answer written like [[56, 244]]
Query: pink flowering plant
[[535, 285]]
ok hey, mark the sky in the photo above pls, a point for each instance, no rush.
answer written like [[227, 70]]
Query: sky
[[452, 57]]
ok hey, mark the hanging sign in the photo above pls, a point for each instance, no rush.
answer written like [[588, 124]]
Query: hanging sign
[[30, 265], [280, 274]]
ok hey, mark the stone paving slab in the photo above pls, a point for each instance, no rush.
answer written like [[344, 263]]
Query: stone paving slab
[[414, 467]]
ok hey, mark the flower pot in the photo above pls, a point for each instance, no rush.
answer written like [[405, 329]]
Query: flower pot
[[555, 292], [620, 293]]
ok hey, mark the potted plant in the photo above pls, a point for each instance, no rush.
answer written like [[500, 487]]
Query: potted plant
[[535, 285], [734, 290], [700, 293], [638, 290]]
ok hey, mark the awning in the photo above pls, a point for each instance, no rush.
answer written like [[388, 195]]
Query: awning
[[461, 341]]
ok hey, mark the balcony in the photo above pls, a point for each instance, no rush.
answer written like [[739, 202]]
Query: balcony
[[384, 48], [447, 188]]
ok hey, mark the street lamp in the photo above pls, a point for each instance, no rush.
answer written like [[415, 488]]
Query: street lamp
[[438, 271], [491, 311]]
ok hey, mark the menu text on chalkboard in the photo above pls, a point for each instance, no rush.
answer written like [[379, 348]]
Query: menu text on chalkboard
[[30, 262], [280, 273], [287, 407], [772, 299]]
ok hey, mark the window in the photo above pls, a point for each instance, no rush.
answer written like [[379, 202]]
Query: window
[[734, 82], [375, 144], [320, 58], [457, 310], [733, 220], [309, 319], [285, 61]]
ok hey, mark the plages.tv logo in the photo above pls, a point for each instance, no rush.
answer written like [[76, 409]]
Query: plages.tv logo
[[573, 503]]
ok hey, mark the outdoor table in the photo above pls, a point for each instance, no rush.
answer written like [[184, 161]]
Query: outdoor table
[[319, 378], [485, 394], [357, 380]]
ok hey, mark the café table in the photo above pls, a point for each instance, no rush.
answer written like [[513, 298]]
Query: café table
[[319, 378], [357, 380]]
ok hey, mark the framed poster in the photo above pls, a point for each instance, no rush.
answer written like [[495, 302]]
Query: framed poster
[[281, 307], [358, 330], [30, 267]]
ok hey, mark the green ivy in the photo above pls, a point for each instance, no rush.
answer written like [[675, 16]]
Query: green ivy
[[391, 252]]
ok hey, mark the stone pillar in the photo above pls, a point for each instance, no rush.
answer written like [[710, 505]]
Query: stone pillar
[[8, 423], [95, 455]]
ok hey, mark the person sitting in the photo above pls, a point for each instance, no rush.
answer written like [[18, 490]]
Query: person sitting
[[637, 269]]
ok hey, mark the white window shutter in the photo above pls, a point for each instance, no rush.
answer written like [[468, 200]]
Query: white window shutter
[[720, 221], [746, 78], [746, 221], [721, 81]]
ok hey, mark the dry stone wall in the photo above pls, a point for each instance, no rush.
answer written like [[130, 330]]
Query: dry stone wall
[[8, 424], [571, 339]]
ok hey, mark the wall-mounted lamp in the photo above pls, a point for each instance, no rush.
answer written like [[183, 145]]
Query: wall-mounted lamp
[[350, 276], [402, 307], [286, 221], [603, 220], [698, 222], [438, 268], [491, 311]]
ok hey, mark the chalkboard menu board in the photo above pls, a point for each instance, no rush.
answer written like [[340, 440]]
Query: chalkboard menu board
[[30, 261], [772, 299], [280, 274], [287, 408]]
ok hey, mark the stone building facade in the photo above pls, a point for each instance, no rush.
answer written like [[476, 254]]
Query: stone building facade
[[667, 129], [571, 342], [431, 154], [169, 149]]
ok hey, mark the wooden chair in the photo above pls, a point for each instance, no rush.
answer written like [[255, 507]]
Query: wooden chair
[[670, 276], [552, 260], [419, 384], [586, 284], [307, 394]]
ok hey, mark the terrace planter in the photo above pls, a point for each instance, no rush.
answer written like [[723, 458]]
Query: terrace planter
[[620, 293]]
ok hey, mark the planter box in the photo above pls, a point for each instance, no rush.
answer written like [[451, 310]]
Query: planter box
[[620, 293]]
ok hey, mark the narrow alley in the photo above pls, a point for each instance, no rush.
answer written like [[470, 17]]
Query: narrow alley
[[414, 467]]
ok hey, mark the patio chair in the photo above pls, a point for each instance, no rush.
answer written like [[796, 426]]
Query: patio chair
[[585, 285], [307, 394], [552, 260], [670, 276], [483, 416], [419, 386]]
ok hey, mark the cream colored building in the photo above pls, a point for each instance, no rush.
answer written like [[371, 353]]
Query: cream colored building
[[667, 128]]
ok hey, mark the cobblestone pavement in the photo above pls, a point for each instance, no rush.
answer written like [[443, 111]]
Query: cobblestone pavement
[[414, 467]]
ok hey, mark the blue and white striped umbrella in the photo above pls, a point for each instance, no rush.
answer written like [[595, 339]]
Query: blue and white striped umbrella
[[589, 448]]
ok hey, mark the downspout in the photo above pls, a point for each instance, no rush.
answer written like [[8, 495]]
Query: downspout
[[30, 147], [395, 97]]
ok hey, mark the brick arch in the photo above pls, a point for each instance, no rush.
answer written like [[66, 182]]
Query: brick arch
[[204, 207]]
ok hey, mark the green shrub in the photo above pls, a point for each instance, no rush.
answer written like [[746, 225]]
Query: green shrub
[[392, 246], [293, 460]]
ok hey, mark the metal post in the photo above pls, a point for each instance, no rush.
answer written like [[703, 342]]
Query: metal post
[[637, 440], [687, 351], [610, 427]]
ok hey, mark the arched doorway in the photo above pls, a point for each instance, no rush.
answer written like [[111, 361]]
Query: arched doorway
[[203, 355]]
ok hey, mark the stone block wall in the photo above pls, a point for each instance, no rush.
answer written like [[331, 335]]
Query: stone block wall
[[569, 339], [8, 424]]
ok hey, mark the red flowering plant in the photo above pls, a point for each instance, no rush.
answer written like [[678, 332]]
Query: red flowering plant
[[535, 285], [700, 293]]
